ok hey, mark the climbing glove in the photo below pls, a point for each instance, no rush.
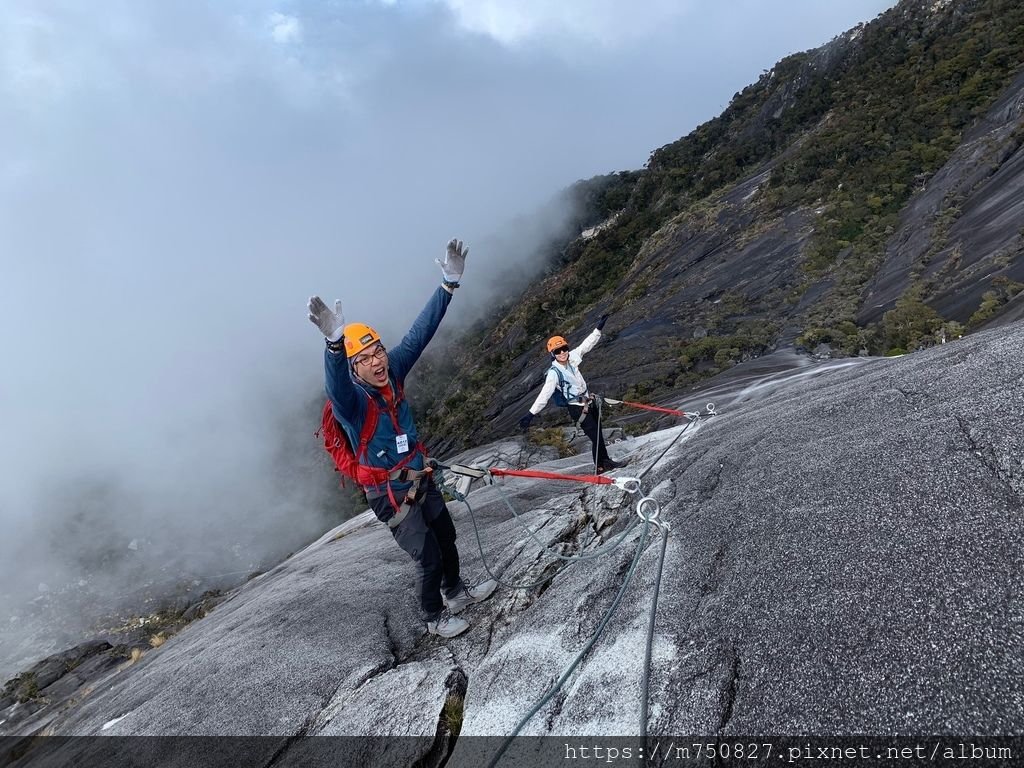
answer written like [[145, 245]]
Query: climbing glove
[[524, 423], [454, 263], [601, 322], [331, 324]]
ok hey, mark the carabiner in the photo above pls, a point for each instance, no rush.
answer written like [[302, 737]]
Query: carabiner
[[628, 484]]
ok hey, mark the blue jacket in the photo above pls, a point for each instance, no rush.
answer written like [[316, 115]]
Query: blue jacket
[[349, 397]]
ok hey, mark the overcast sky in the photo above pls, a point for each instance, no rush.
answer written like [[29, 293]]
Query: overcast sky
[[176, 178]]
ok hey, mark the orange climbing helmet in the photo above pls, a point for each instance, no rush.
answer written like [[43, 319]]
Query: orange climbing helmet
[[358, 336], [556, 342]]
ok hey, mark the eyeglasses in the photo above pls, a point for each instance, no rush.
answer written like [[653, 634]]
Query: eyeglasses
[[559, 351], [378, 353]]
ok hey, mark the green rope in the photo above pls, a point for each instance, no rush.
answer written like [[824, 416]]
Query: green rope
[[580, 656], [646, 681]]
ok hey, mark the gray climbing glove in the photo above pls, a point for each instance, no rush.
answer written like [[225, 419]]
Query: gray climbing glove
[[454, 263], [331, 324]]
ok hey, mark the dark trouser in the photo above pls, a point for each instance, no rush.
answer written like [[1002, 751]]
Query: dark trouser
[[427, 534], [592, 429]]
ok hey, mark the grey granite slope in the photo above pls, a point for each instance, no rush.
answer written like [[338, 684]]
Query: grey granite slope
[[962, 229], [845, 555]]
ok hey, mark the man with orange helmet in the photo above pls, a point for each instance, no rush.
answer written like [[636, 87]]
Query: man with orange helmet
[[564, 383], [364, 381]]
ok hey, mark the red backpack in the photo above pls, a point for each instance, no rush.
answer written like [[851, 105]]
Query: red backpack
[[347, 460]]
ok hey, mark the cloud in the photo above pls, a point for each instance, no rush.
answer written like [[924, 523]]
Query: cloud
[[604, 22], [285, 29], [35, 59], [63, 51]]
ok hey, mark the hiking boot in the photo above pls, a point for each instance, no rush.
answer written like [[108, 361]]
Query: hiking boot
[[610, 464], [469, 595], [447, 625]]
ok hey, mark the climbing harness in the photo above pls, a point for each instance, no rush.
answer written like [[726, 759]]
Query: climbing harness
[[413, 496], [578, 424], [591, 399]]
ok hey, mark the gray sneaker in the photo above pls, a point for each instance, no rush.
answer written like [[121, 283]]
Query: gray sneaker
[[447, 625], [470, 595]]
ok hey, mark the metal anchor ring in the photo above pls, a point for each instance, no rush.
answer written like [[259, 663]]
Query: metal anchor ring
[[648, 517]]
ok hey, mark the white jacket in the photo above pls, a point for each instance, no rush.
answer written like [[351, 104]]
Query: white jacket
[[577, 385]]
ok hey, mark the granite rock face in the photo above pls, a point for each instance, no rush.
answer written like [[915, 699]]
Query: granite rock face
[[963, 229], [845, 555]]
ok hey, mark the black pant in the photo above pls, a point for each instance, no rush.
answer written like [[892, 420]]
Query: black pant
[[592, 429], [427, 534]]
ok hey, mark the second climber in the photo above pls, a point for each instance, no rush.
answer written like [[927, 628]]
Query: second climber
[[565, 386]]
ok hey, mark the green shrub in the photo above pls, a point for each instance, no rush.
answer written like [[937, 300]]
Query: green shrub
[[1003, 289], [908, 322], [552, 436]]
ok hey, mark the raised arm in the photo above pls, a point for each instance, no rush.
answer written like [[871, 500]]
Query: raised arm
[[403, 357], [588, 343], [341, 391]]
